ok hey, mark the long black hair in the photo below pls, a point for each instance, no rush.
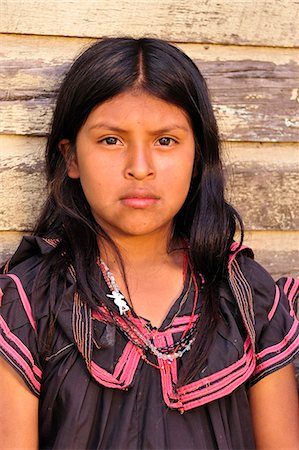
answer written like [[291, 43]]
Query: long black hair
[[206, 220]]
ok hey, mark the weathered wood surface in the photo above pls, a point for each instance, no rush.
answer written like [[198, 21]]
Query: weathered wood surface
[[22, 185], [250, 89], [9, 242], [276, 251], [265, 22], [263, 184]]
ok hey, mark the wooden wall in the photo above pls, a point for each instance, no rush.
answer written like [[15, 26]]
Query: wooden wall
[[247, 51]]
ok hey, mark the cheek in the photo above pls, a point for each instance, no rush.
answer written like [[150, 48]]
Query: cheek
[[183, 173]]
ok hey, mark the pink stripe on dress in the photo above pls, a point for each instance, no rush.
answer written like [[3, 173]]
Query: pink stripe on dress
[[277, 347], [225, 383], [9, 351], [215, 396], [222, 373], [275, 303], [128, 364], [291, 296], [12, 337], [287, 285], [24, 299], [294, 289], [236, 248], [283, 355]]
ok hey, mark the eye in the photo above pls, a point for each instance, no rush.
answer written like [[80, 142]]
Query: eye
[[110, 140], [166, 141]]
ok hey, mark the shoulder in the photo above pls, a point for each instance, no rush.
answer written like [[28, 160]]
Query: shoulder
[[18, 281], [24, 316], [245, 269], [265, 291], [261, 282], [25, 264]]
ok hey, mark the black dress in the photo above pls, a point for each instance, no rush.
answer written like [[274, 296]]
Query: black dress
[[97, 393]]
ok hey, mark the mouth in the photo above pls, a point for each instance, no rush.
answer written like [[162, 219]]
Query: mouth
[[139, 200]]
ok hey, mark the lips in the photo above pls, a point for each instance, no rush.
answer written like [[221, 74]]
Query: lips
[[139, 199]]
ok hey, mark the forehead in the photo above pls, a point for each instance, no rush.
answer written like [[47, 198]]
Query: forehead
[[138, 108]]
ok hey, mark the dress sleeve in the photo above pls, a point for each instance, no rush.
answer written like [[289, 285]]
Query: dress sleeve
[[276, 324], [18, 334]]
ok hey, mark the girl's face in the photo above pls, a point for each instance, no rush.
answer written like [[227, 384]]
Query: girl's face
[[134, 157]]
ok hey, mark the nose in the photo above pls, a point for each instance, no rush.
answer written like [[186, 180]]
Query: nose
[[139, 163]]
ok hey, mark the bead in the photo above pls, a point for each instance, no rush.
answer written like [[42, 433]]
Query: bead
[[167, 353]]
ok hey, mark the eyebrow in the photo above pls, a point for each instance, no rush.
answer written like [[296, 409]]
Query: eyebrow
[[167, 129]]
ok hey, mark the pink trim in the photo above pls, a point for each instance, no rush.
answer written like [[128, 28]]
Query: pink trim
[[233, 248], [9, 351], [52, 242], [1, 296], [292, 295], [185, 400], [100, 316], [5, 270], [221, 385], [287, 285], [277, 347], [182, 320], [279, 358], [221, 373], [24, 299], [221, 393], [170, 397], [275, 303], [121, 362], [294, 289], [12, 337], [173, 366], [125, 369]]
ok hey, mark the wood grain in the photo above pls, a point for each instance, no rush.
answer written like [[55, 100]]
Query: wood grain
[[263, 184], [250, 89], [276, 251], [22, 185], [9, 242], [266, 22]]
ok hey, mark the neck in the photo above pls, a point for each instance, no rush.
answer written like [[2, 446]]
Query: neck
[[138, 251]]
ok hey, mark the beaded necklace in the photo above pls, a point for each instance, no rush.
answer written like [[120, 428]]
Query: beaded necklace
[[125, 321]]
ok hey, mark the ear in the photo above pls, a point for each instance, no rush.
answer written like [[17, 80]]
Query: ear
[[70, 159]]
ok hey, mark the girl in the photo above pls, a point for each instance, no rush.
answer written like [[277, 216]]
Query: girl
[[131, 319]]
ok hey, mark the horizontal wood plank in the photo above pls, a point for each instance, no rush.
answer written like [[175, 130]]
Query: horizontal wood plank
[[266, 22], [9, 242], [276, 251], [249, 89], [22, 184], [263, 183]]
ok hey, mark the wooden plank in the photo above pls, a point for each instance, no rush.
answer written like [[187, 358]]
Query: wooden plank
[[267, 22], [250, 89], [263, 183], [276, 251], [9, 242], [22, 185]]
